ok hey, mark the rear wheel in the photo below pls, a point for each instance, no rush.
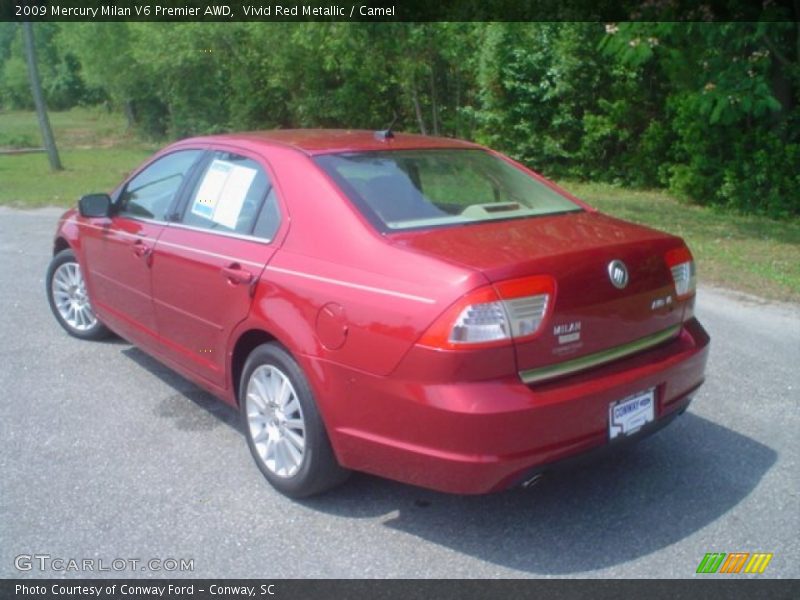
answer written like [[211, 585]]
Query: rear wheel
[[284, 430], [69, 300]]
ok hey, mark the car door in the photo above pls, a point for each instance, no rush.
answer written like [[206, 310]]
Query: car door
[[118, 251], [208, 262]]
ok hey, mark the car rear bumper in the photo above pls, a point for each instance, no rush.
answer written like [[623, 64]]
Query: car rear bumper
[[475, 437]]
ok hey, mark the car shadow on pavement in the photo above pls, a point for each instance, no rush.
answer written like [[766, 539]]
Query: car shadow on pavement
[[629, 504], [112, 340], [625, 506], [202, 412]]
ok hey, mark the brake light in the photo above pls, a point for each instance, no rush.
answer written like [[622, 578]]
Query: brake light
[[681, 265], [494, 315]]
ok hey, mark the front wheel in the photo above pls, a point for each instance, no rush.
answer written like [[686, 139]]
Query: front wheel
[[284, 430], [69, 301]]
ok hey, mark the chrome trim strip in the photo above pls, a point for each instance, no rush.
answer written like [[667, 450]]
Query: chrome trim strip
[[230, 234], [176, 225], [356, 286], [160, 242], [598, 358], [242, 261], [115, 232], [141, 219]]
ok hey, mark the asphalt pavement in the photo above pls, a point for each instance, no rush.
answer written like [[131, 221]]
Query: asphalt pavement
[[107, 455]]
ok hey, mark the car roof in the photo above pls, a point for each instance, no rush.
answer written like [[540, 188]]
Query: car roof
[[327, 141]]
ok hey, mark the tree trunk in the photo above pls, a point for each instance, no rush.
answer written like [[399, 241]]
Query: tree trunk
[[38, 98], [458, 102], [418, 109], [434, 105], [130, 113]]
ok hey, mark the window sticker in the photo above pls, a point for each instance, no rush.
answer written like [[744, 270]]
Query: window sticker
[[207, 197], [222, 192]]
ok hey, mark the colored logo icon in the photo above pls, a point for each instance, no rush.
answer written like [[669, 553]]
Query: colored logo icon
[[735, 562]]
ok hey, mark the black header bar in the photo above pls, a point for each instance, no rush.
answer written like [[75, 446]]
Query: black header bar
[[395, 10]]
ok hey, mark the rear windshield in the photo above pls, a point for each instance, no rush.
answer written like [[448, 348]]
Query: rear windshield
[[406, 189]]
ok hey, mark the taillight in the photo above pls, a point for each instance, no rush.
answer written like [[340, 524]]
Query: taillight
[[681, 265], [494, 315]]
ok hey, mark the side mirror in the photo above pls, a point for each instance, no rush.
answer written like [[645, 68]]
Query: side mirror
[[95, 205]]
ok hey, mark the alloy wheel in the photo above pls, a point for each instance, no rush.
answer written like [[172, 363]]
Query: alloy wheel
[[70, 297], [276, 422]]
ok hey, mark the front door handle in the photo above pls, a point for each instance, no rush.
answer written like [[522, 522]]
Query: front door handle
[[142, 250], [139, 249], [236, 275]]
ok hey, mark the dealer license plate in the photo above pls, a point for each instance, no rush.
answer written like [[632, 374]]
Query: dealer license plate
[[629, 415]]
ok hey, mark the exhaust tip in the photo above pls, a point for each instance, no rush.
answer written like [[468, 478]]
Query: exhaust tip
[[532, 481]]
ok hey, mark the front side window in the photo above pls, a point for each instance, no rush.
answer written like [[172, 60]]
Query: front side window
[[230, 195], [406, 189], [150, 194]]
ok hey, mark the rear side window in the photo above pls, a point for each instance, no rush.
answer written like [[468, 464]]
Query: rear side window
[[269, 218], [150, 194], [233, 195], [404, 189]]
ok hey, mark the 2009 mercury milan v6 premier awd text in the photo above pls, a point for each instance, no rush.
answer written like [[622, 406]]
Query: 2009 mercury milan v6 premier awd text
[[420, 308]]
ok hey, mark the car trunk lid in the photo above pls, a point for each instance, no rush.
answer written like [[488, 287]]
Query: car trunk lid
[[591, 318]]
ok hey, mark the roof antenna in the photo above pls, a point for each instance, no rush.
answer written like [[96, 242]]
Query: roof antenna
[[387, 133]]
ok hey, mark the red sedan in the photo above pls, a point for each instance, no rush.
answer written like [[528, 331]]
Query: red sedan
[[420, 308]]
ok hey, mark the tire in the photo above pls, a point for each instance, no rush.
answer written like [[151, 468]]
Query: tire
[[69, 301], [284, 430]]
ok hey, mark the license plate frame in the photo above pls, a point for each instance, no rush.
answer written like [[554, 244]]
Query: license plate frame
[[628, 415]]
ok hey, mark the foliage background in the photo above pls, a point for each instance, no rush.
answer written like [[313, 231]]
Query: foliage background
[[707, 110]]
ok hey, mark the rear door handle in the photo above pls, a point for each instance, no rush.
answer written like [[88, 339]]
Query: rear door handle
[[236, 275]]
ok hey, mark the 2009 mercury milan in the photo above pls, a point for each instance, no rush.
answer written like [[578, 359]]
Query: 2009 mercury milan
[[420, 308]]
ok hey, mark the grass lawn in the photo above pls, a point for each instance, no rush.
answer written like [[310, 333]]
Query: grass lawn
[[747, 253], [26, 179], [77, 128], [96, 151], [752, 254]]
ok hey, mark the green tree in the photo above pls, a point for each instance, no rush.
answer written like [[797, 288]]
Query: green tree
[[732, 108], [103, 51], [61, 81]]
